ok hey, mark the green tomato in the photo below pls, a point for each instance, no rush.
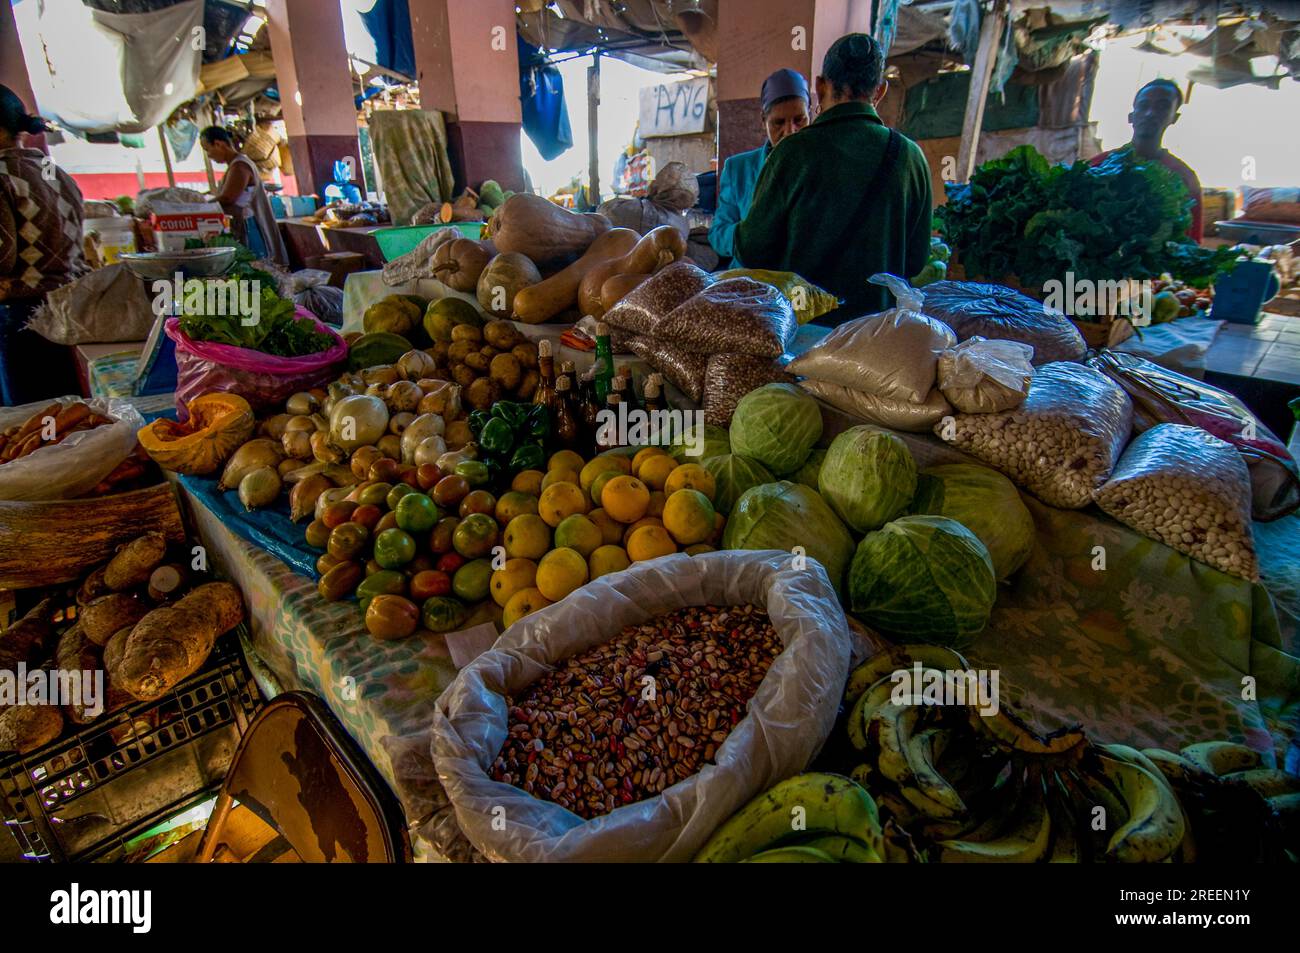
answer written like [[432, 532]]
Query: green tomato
[[475, 472], [386, 582], [394, 548], [396, 493], [416, 513], [443, 613], [472, 580]]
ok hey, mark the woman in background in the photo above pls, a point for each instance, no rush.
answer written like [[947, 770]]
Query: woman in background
[[40, 250], [242, 197]]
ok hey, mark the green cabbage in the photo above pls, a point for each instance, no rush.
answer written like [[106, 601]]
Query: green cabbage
[[812, 468], [777, 425], [868, 477], [986, 503], [784, 515], [923, 579], [733, 475], [715, 444]]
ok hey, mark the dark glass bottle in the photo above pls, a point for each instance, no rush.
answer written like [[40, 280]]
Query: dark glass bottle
[[607, 437], [564, 421], [545, 393]]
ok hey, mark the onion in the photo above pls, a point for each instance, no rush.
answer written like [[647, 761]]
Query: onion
[[259, 487], [423, 426], [403, 396], [417, 364], [399, 422], [357, 421], [297, 444], [260, 452], [430, 450], [328, 497], [381, 374], [301, 404]]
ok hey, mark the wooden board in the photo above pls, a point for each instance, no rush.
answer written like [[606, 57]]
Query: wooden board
[[47, 543]]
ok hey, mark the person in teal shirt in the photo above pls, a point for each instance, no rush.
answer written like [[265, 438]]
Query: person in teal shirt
[[785, 110]]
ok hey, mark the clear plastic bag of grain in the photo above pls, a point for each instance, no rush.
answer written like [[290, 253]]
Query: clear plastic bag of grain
[[684, 369], [729, 377], [1061, 444], [735, 316], [641, 309], [1189, 490], [979, 376]]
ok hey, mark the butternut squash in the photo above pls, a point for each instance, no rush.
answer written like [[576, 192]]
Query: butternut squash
[[556, 294], [549, 235], [459, 263], [658, 247], [615, 289]]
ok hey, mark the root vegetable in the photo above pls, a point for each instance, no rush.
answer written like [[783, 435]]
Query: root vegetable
[[22, 641], [76, 653], [135, 561], [25, 728], [166, 582], [259, 452], [92, 587], [101, 618], [170, 643]]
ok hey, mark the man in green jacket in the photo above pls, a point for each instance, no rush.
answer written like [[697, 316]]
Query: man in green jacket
[[846, 197]]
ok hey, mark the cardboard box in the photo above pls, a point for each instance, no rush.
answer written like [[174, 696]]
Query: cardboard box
[[174, 223]]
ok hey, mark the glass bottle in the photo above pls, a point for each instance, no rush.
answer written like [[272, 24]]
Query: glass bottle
[[604, 362], [545, 393], [588, 408], [607, 437], [564, 422]]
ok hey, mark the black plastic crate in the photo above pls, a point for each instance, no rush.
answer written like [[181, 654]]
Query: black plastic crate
[[82, 797]]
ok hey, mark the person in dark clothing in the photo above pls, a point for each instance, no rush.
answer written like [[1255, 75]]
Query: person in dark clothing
[[846, 197]]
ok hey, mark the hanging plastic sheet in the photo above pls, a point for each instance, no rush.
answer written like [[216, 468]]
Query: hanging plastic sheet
[[181, 135], [887, 24], [541, 90], [389, 24], [95, 71]]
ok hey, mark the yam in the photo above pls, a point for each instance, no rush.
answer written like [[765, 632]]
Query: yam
[[76, 653], [135, 561], [92, 587], [170, 643], [107, 614], [25, 728], [23, 641]]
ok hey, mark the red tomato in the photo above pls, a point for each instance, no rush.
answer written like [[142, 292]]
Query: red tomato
[[368, 515], [426, 585], [426, 475], [450, 562]]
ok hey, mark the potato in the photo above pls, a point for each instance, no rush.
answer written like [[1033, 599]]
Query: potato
[[505, 370], [463, 375], [479, 362], [458, 351], [501, 334], [135, 561], [439, 352], [528, 386], [466, 332], [101, 618], [24, 728], [482, 394], [170, 643], [526, 355]]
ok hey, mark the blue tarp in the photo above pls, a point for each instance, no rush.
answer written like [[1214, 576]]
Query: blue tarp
[[541, 92], [269, 529], [389, 24]]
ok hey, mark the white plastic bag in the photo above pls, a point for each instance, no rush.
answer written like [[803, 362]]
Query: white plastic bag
[[890, 355], [979, 376], [913, 417], [72, 467], [789, 717]]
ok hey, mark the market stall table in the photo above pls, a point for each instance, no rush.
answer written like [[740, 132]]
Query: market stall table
[[305, 239]]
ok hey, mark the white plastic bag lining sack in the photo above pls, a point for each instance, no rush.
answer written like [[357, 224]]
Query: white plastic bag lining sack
[[73, 466], [980, 376], [789, 717], [891, 355]]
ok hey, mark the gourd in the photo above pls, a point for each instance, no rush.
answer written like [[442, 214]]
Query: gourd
[[459, 263], [658, 247], [546, 299], [549, 235], [218, 424], [504, 277], [617, 288]]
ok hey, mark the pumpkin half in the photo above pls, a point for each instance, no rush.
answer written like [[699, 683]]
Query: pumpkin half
[[219, 423]]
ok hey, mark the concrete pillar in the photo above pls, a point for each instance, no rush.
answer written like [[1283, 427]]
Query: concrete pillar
[[315, 82], [467, 64], [758, 37], [13, 68]]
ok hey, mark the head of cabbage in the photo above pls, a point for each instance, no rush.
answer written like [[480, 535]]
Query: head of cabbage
[[986, 503], [777, 425], [923, 579], [868, 477], [784, 515], [732, 476], [696, 447], [811, 469]]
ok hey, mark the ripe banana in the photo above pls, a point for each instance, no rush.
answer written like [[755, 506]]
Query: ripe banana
[[1186, 852], [1089, 792], [1266, 782], [1155, 826], [890, 727], [830, 804], [1004, 800], [844, 850], [790, 855], [878, 694], [1177, 769], [1025, 842], [865, 775], [1221, 757], [886, 663], [936, 796]]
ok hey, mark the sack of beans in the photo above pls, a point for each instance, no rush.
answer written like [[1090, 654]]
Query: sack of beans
[[913, 417], [1061, 443], [642, 308], [733, 316], [684, 369], [628, 721], [729, 377], [1189, 490]]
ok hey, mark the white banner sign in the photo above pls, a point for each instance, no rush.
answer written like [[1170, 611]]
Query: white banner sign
[[675, 109]]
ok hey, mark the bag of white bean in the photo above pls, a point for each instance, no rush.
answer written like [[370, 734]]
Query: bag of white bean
[[1189, 490], [1061, 443]]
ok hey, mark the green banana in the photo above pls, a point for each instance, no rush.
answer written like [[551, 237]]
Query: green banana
[[1155, 826], [929, 783], [890, 727], [790, 855], [844, 850], [878, 694], [1186, 852], [1089, 792], [831, 804], [1266, 782], [1221, 757], [1066, 848], [1025, 842]]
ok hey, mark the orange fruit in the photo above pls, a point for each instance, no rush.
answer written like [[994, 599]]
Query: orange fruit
[[655, 470], [522, 603], [698, 548], [644, 454], [599, 465], [657, 500], [528, 481], [598, 486], [690, 476], [560, 572], [610, 529], [565, 460], [625, 498], [517, 575], [607, 559], [689, 517], [558, 476], [647, 521], [649, 542], [580, 533], [560, 500], [527, 536]]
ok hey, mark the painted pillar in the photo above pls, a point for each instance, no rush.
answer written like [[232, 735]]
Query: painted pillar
[[13, 69], [467, 64], [315, 82]]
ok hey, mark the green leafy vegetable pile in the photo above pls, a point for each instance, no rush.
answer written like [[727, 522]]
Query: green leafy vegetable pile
[[1124, 218]]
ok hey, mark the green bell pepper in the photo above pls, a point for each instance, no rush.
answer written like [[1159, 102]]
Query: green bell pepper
[[477, 421], [530, 456], [497, 436], [538, 422]]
